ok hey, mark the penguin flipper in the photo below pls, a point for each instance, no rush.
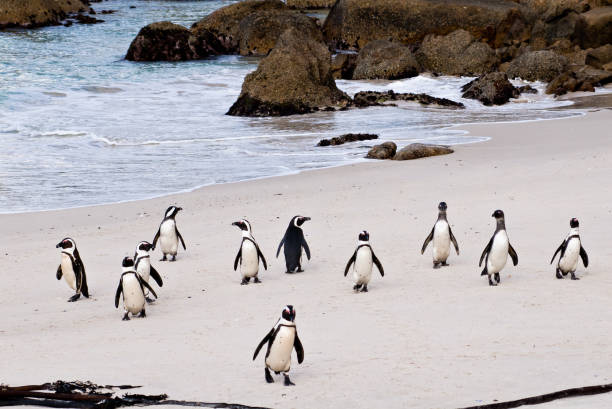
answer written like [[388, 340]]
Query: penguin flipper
[[83, 275], [180, 238], [378, 264], [560, 248], [58, 274], [118, 293], [78, 273], [153, 272], [306, 249], [454, 240], [144, 284], [261, 256], [513, 254], [584, 256], [299, 349], [351, 261], [238, 257], [281, 245], [486, 251], [155, 238], [262, 343], [428, 239]]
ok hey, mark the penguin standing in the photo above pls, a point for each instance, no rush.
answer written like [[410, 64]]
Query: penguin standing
[[133, 288], [363, 257], [72, 269], [442, 235], [142, 265], [570, 249], [169, 235], [497, 250], [281, 340], [249, 254], [294, 240]]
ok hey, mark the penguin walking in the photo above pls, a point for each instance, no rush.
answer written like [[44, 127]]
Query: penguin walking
[[142, 265], [570, 249], [363, 258], [249, 254], [281, 340], [294, 240], [72, 269], [497, 250], [133, 288], [169, 235], [442, 235]]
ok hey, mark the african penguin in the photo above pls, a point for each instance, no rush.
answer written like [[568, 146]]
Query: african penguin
[[169, 235], [133, 288], [142, 265], [249, 254], [294, 240], [442, 235], [72, 269], [497, 250], [570, 249], [281, 340], [363, 257]]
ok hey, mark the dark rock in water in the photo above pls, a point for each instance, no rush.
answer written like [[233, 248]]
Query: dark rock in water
[[383, 151], [597, 28], [599, 57], [385, 60], [295, 78], [457, 53], [354, 23], [526, 89], [310, 4], [165, 41], [419, 150], [579, 78], [377, 98], [108, 11], [537, 66], [85, 19], [343, 66], [349, 137], [490, 89], [38, 13]]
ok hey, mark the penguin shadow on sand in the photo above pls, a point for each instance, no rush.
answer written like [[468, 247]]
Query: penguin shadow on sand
[[249, 255], [169, 235], [363, 260], [292, 243]]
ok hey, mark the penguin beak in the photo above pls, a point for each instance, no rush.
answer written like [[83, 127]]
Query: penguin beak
[[58, 245], [235, 224], [306, 219]]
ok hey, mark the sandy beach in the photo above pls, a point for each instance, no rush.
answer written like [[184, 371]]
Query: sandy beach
[[421, 338]]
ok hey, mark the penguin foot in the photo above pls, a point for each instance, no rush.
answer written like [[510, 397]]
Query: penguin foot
[[269, 378], [142, 314], [356, 287], [497, 278], [491, 283], [288, 381], [245, 281], [163, 258], [257, 280], [436, 265], [74, 298], [173, 258], [299, 270], [558, 274], [149, 300], [444, 264], [126, 317], [364, 289], [288, 272], [574, 277]]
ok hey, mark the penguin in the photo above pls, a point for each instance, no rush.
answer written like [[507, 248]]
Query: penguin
[[570, 249], [249, 254], [281, 340], [133, 288], [169, 235], [142, 265], [497, 250], [72, 269], [294, 240], [363, 257], [442, 235]]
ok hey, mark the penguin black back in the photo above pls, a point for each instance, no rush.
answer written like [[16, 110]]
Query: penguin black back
[[293, 242]]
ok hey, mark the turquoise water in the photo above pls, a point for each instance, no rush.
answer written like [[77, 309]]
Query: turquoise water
[[79, 125]]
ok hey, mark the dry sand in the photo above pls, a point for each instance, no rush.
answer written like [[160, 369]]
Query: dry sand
[[420, 338]]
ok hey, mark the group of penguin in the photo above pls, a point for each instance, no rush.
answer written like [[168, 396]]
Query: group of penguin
[[283, 338]]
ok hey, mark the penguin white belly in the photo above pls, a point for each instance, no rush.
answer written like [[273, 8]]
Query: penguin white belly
[[363, 266], [249, 266], [279, 359], [144, 268], [133, 297], [498, 255], [68, 272], [569, 261], [441, 241], [168, 238]]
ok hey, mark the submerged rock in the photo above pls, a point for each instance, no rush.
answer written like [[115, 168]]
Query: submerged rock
[[419, 150], [349, 137], [37, 13], [385, 60], [537, 66], [490, 89], [383, 151], [377, 98], [295, 78]]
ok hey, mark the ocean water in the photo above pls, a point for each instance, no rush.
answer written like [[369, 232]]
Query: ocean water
[[79, 125]]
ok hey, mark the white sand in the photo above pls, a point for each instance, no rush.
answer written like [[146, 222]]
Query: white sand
[[420, 338]]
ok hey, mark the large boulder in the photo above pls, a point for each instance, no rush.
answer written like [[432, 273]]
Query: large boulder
[[490, 89], [420, 150], [597, 28], [579, 78], [599, 57], [165, 41], [354, 23], [343, 65], [37, 13], [310, 4], [456, 54], [295, 78], [385, 60], [537, 66], [383, 151]]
